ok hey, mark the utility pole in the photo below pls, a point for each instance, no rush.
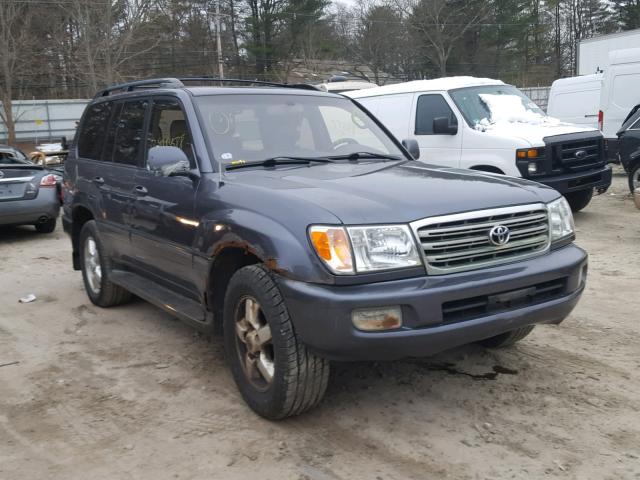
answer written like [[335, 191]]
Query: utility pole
[[218, 43]]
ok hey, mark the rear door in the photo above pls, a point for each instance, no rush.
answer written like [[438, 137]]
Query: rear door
[[436, 148], [121, 158], [163, 220]]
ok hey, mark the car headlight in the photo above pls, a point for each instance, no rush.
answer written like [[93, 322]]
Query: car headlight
[[348, 250], [560, 220]]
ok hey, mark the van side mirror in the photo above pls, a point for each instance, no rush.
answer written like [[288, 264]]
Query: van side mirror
[[443, 126], [168, 161], [412, 147]]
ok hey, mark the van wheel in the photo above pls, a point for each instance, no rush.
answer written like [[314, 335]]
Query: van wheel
[[96, 268], [506, 339], [275, 373], [579, 200], [634, 177]]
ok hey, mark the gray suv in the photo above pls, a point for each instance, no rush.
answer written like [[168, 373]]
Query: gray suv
[[292, 220]]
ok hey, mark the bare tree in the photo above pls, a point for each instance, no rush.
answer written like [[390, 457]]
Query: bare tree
[[14, 40], [441, 23]]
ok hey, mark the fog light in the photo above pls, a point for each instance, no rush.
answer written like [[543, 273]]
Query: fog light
[[377, 319], [532, 168]]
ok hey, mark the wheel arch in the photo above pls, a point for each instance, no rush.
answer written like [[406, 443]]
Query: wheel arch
[[487, 168], [79, 216]]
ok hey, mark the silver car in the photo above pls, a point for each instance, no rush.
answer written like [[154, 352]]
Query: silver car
[[29, 194]]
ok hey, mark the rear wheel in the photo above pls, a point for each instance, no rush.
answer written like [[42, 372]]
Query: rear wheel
[[634, 177], [96, 268], [46, 227], [507, 339], [275, 373], [579, 200]]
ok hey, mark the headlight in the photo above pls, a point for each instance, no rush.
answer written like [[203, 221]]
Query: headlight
[[370, 249], [560, 219]]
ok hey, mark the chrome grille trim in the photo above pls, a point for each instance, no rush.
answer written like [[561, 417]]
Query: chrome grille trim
[[460, 242]]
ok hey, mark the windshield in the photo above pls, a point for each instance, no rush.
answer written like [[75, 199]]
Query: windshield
[[491, 104], [255, 127]]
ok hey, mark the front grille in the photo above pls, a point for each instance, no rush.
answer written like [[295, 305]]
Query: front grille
[[483, 305], [460, 242], [588, 151]]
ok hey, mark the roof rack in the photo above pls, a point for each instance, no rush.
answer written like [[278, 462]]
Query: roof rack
[[180, 83]]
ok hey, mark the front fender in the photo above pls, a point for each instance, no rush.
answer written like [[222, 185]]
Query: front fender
[[285, 250]]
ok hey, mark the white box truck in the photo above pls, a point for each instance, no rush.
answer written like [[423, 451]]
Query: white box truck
[[593, 53], [486, 125]]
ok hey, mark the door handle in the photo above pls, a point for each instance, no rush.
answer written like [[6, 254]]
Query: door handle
[[98, 180], [140, 190]]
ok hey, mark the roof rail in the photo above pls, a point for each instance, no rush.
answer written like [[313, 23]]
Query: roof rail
[[303, 86], [130, 86], [180, 83]]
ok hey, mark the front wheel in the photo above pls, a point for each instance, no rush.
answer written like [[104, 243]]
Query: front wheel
[[275, 373], [579, 200]]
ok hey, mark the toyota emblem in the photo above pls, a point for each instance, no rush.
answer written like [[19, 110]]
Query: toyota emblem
[[499, 235]]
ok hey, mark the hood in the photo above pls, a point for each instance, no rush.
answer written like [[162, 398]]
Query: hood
[[386, 193], [533, 134]]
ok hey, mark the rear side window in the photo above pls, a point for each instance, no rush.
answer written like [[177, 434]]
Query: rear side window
[[169, 127], [429, 108], [91, 138], [128, 132]]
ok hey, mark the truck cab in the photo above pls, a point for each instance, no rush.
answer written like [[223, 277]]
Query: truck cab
[[484, 124]]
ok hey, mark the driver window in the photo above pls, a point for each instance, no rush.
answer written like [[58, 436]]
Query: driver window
[[345, 128], [168, 127], [429, 108]]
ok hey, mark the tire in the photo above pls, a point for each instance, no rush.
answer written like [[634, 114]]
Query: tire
[[96, 270], [276, 374], [47, 227], [507, 339], [579, 200], [634, 176]]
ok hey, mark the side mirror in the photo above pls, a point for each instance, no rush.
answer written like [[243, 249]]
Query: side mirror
[[443, 126], [168, 161], [412, 147]]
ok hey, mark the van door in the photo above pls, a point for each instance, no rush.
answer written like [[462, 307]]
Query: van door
[[439, 149], [163, 221]]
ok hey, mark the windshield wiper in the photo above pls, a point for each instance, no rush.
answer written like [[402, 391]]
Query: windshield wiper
[[362, 155], [273, 161]]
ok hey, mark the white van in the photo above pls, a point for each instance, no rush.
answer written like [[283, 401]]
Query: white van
[[620, 92], [576, 100], [484, 124]]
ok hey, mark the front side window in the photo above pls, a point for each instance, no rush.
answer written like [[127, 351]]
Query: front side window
[[128, 132], [92, 136], [488, 105], [168, 127], [429, 108], [260, 126]]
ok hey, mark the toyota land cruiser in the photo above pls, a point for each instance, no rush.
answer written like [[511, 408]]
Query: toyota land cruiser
[[294, 221]]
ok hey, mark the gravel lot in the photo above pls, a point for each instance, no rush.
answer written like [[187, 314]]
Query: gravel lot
[[129, 392]]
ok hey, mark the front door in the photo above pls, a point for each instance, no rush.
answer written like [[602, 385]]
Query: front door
[[163, 225], [438, 149]]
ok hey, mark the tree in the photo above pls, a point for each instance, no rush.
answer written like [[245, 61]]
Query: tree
[[628, 13]]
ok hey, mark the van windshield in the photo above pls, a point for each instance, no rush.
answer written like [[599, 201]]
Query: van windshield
[[255, 127], [491, 104]]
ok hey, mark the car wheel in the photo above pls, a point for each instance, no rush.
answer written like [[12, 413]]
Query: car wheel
[[634, 177], [96, 268], [275, 373], [46, 227], [579, 200], [507, 339]]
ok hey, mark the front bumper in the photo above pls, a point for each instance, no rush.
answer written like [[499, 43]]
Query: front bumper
[[599, 179], [322, 313], [29, 212]]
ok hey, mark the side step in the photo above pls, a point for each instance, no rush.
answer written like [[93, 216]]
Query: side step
[[184, 308]]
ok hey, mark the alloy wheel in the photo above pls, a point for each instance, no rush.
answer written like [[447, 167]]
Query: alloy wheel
[[254, 343], [92, 266]]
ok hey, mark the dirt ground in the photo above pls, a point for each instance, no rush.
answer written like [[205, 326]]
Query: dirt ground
[[131, 393]]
